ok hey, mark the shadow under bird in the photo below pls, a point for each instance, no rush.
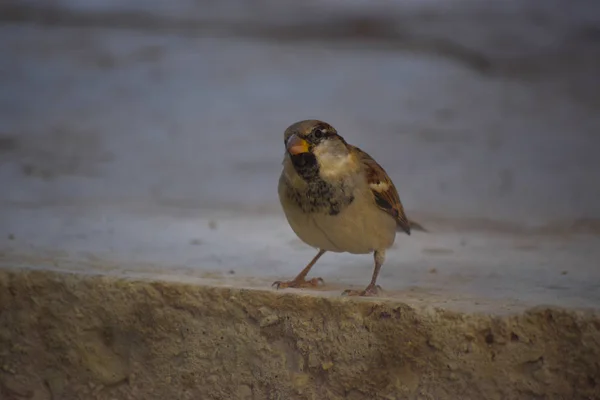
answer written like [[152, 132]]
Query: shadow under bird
[[337, 198]]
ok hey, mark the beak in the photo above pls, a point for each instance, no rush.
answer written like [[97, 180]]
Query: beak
[[296, 145]]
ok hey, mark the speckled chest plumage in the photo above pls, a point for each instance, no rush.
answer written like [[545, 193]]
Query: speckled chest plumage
[[311, 193], [334, 216], [320, 197]]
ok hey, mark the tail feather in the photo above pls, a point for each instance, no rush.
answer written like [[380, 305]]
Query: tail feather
[[415, 226]]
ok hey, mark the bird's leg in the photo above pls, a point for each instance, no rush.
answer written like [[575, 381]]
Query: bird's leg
[[372, 289], [300, 280]]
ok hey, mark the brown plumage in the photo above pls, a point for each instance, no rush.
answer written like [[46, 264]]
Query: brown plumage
[[337, 198], [386, 195]]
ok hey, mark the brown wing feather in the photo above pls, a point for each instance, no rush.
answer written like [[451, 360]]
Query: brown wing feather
[[383, 189]]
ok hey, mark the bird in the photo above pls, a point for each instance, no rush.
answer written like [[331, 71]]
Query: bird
[[337, 198]]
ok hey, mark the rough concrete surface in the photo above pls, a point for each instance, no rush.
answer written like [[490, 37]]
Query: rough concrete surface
[[79, 336], [140, 146]]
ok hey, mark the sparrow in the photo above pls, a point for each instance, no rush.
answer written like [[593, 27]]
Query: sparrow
[[337, 198]]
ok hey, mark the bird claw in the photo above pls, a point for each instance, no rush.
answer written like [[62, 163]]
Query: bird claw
[[368, 292], [299, 283]]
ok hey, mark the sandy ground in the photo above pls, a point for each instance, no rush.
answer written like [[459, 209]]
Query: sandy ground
[[144, 140], [455, 270], [79, 337]]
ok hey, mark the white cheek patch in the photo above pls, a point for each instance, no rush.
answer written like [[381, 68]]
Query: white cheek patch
[[379, 187], [332, 165], [333, 162]]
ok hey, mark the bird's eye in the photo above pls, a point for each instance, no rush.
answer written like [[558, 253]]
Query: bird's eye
[[318, 133]]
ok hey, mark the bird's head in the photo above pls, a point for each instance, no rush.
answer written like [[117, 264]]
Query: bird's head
[[314, 146]]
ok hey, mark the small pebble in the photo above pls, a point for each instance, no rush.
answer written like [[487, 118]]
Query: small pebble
[[327, 365]]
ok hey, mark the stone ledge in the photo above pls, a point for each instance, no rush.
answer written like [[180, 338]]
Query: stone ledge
[[78, 336]]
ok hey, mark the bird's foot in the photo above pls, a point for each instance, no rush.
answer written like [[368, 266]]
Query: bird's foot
[[298, 283], [371, 290]]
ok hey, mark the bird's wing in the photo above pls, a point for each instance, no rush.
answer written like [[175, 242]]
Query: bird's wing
[[384, 192]]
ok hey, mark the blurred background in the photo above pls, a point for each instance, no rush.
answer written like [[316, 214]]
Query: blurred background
[[153, 129]]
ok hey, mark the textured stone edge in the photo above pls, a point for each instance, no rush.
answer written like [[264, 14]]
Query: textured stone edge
[[81, 336]]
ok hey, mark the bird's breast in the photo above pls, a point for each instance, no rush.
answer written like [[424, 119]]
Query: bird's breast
[[336, 217], [319, 196]]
